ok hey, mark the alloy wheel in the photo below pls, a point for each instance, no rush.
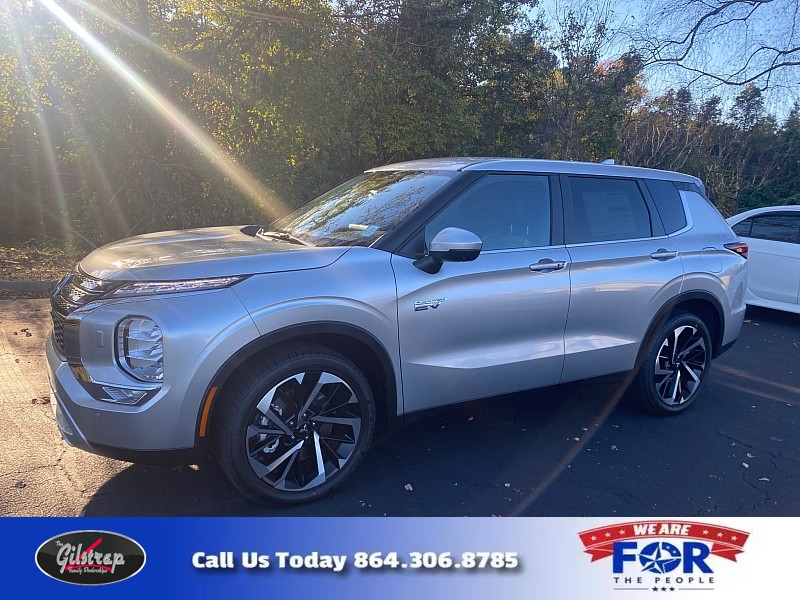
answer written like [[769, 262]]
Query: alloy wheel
[[303, 431], [680, 365]]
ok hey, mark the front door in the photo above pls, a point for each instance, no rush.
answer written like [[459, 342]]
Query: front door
[[496, 324]]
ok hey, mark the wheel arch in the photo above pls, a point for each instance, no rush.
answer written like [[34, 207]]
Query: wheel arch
[[358, 345], [700, 303]]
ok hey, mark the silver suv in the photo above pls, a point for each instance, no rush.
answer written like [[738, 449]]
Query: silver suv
[[280, 348]]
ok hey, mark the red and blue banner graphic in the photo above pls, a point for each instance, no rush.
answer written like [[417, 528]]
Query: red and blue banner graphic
[[725, 542], [663, 555]]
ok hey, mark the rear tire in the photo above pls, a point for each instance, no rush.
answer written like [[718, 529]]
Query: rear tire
[[674, 366], [293, 426]]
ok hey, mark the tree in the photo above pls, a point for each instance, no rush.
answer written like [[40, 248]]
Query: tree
[[588, 98], [511, 102], [728, 42], [748, 107], [787, 176]]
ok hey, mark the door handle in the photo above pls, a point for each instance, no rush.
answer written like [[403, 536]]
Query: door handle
[[664, 254], [548, 265]]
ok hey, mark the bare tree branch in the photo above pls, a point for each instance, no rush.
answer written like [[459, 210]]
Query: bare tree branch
[[727, 42]]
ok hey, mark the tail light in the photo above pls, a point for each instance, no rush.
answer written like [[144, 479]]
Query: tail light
[[739, 248]]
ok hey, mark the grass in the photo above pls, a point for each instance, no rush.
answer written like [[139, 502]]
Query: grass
[[37, 261]]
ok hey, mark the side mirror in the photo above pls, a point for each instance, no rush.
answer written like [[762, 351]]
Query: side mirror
[[450, 245]]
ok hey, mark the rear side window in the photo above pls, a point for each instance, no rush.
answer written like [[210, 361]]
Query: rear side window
[[608, 209], [775, 227], [742, 228], [668, 204]]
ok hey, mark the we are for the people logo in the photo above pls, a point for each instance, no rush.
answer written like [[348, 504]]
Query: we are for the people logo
[[663, 556]]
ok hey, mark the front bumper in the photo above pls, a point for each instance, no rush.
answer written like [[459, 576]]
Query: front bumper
[[201, 332], [100, 427]]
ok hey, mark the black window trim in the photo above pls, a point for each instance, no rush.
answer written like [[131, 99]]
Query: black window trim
[[685, 186]]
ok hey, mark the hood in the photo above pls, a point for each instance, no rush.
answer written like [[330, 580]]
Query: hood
[[202, 253]]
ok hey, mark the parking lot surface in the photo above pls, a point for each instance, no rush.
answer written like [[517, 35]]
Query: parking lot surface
[[572, 450]]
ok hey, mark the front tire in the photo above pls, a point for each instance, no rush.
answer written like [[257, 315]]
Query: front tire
[[674, 367], [294, 425]]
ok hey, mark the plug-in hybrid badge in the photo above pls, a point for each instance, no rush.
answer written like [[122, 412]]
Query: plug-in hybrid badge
[[426, 304]]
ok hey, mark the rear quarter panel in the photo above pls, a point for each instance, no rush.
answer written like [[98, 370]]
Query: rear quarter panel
[[709, 266]]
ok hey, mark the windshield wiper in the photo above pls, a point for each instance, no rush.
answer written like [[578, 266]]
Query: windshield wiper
[[280, 234]]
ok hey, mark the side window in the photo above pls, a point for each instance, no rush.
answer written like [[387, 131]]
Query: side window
[[608, 209], [668, 204], [505, 211], [742, 228], [778, 228]]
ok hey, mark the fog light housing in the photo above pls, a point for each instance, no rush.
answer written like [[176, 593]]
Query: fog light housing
[[120, 395], [140, 349]]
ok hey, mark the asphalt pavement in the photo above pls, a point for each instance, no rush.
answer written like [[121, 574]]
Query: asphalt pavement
[[572, 450]]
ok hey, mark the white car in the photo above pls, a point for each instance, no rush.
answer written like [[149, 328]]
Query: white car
[[773, 236]]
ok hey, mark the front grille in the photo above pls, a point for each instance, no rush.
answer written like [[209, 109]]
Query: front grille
[[58, 330], [75, 290], [59, 305]]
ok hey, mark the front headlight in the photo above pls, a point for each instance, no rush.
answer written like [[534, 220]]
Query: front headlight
[[149, 288], [140, 348]]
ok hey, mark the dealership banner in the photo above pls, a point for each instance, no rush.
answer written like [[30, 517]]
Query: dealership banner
[[393, 558]]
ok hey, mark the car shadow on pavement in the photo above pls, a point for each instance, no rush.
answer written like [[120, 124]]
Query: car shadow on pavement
[[474, 459], [774, 316]]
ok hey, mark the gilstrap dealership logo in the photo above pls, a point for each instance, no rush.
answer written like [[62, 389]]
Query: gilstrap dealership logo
[[90, 557], [663, 556]]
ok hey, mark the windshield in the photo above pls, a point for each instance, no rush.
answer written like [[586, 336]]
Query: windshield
[[361, 210]]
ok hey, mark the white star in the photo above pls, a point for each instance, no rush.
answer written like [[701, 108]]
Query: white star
[[719, 535], [608, 534], [705, 531], [734, 538], [594, 538]]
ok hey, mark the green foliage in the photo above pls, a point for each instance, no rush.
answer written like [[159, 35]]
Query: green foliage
[[222, 112]]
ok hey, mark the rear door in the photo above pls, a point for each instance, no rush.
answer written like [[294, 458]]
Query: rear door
[[624, 268]]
